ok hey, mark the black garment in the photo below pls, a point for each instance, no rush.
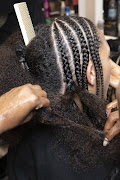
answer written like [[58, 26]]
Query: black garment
[[3, 165], [33, 159], [11, 25]]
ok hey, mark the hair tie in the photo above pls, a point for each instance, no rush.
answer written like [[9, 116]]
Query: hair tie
[[20, 52]]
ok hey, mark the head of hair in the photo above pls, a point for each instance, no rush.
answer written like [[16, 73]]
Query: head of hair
[[57, 59], [71, 42]]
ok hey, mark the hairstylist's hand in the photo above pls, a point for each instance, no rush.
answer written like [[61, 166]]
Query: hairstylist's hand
[[112, 126], [115, 75], [17, 106]]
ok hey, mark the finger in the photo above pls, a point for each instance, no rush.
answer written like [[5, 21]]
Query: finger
[[118, 98], [44, 102], [113, 131], [118, 94], [115, 69], [38, 90], [114, 81], [114, 116], [110, 106], [29, 117], [34, 86], [40, 93]]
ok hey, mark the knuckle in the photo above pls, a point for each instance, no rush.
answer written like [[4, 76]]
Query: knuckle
[[26, 88], [37, 86], [111, 118], [34, 98], [107, 107], [28, 84], [44, 93]]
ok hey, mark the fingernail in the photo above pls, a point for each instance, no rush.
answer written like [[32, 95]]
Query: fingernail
[[105, 142], [106, 115], [38, 107]]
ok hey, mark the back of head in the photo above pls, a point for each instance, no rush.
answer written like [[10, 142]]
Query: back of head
[[62, 51], [57, 59]]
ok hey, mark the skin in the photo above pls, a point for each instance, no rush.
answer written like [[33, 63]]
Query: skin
[[115, 75], [112, 126], [118, 98], [19, 105]]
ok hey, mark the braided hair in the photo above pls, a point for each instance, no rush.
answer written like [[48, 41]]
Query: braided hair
[[77, 42], [96, 41], [57, 59]]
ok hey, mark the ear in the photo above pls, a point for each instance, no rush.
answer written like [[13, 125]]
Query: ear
[[91, 75]]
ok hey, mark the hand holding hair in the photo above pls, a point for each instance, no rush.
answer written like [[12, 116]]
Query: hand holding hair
[[19, 104], [112, 126]]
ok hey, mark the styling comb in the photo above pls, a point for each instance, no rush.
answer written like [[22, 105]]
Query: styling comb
[[25, 22]]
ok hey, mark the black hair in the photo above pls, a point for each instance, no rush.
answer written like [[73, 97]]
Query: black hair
[[97, 46], [57, 59], [88, 43]]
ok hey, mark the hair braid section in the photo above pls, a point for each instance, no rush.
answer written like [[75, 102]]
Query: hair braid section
[[63, 54], [97, 45], [90, 39], [75, 50], [84, 56]]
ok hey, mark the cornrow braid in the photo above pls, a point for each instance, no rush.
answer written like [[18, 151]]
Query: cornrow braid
[[85, 64], [64, 58], [84, 50], [75, 49], [96, 40], [86, 29]]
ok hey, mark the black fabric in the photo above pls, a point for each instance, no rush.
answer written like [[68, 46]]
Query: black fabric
[[11, 25], [33, 159], [3, 165]]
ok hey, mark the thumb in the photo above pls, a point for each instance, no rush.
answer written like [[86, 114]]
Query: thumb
[[112, 133]]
